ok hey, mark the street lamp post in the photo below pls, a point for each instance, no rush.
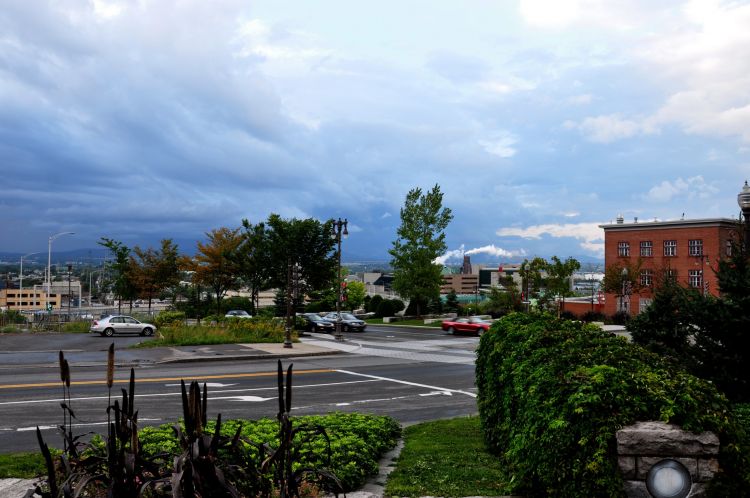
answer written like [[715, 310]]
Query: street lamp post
[[337, 231], [70, 270], [624, 304], [49, 259], [743, 199]]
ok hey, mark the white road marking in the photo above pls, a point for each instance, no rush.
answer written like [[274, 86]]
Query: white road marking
[[49, 427], [208, 384], [244, 398], [211, 395], [437, 393], [398, 381]]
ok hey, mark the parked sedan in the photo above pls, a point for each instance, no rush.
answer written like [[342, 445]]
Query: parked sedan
[[238, 314], [348, 322], [316, 323], [121, 324], [470, 325]]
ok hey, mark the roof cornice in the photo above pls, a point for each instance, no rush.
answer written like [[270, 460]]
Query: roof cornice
[[651, 225]]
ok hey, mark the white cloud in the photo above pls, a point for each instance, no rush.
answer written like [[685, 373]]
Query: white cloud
[[386, 215], [572, 214], [692, 188], [500, 144], [558, 14], [590, 235], [606, 129], [703, 57], [583, 99]]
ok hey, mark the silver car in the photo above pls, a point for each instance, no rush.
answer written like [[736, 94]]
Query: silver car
[[121, 324]]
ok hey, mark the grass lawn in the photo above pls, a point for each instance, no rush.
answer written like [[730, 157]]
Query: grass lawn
[[379, 321], [445, 458], [21, 465]]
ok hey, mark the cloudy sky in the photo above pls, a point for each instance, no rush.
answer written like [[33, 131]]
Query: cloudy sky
[[539, 119]]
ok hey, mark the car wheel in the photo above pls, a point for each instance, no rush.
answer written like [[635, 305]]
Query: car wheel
[[109, 332], [480, 331], [148, 332], [451, 330]]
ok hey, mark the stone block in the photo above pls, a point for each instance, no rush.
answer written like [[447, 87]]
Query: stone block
[[658, 438], [707, 468], [644, 464], [636, 489], [627, 466]]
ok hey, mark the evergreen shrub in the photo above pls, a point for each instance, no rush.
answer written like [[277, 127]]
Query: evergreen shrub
[[553, 393]]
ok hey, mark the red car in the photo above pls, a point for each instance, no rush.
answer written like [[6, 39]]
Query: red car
[[470, 325]]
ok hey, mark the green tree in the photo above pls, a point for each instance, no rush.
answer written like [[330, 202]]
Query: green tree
[[420, 241], [308, 245], [451, 302], [558, 279], [254, 259], [355, 293], [123, 278], [215, 263], [155, 271], [531, 277]]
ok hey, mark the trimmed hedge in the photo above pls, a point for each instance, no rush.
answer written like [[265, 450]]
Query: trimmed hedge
[[553, 393]]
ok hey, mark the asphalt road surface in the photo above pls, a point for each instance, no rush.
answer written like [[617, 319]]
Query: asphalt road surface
[[411, 375]]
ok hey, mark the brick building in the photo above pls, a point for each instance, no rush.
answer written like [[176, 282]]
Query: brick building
[[688, 250]]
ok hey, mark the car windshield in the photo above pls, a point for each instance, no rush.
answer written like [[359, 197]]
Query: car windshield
[[478, 320], [348, 316], [315, 318]]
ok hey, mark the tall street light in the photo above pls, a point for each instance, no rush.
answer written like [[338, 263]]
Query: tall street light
[[49, 259], [743, 199], [20, 277], [337, 231]]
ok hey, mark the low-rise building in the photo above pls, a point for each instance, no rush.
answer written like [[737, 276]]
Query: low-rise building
[[28, 299], [686, 250]]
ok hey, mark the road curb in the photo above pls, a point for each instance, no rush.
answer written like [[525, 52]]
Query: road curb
[[262, 356]]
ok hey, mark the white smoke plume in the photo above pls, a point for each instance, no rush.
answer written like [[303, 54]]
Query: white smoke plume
[[491, 249]]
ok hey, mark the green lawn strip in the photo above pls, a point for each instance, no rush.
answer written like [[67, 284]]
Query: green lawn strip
[[251, 332], [446, 458], [21, 465]]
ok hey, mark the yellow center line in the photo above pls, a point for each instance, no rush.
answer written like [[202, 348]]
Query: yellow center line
[[164, 379]]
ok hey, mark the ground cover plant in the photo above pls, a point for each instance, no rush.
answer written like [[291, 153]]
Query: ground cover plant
[[553, 393], [288, 457], [446, 458], [251, 330]]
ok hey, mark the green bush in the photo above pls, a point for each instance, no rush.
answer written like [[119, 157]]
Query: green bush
[[553, 393], [389, 307], [169, 317], [357, 441], [236, 330], [77, 327], [372, 305]]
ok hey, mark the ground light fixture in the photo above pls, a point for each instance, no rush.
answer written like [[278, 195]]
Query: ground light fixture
[[668, 479]]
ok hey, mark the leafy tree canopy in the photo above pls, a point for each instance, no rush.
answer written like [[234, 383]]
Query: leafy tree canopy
[[420, 241]]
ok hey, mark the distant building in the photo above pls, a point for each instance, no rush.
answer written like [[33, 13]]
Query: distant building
[[688, 250], [28, 299], [460, 284]]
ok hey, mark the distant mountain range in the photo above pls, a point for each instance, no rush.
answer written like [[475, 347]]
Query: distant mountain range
[[96, 256]]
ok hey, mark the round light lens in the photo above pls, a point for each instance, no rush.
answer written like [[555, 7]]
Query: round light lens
[[668, 479]]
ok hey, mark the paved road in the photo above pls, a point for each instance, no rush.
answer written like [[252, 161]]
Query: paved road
[[412, 375]]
